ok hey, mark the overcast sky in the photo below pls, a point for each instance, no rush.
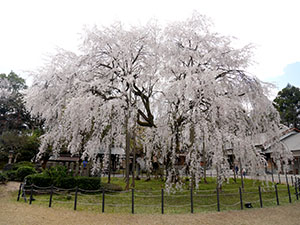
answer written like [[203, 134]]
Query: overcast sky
[[33, 28]]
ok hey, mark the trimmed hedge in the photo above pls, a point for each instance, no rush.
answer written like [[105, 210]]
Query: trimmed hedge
[[87, 183], [17, 171], [24, 171]]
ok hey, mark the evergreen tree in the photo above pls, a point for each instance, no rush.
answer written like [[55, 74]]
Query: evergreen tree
[[287, 103]]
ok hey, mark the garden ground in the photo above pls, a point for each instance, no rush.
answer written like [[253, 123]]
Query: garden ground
[[12, 212]]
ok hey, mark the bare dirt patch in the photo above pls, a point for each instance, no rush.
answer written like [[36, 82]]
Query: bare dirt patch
[[12, 212]]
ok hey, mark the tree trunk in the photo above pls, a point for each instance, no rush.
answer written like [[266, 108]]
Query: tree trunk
[[234, 174]]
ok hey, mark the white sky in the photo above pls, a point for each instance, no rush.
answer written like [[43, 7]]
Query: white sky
[[29, 29]]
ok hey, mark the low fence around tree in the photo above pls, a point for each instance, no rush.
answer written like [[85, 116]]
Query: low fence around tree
[[139, 201]]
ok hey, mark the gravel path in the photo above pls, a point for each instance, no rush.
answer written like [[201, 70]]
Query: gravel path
[[14, 213]]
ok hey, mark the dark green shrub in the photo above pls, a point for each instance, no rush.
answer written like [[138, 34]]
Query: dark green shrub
[[57, 172], [24, 171], [3, 178], [43, 180], [11, 175], [17, 165], [39, 180], [68, 182]]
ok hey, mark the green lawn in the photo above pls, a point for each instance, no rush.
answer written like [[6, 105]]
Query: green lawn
[[148, 197]]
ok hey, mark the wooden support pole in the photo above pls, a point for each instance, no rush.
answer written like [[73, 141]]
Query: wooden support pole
[[289, 192], [132, 200], [241, 198], [192, 203], [218, 200], [103, 200], [50, 199], [75, 200], [276, 192], [19, 193], [162, 201], [31, 193], [260, 198]]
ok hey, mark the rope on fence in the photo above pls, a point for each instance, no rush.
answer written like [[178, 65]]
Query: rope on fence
[[42, 191], [118, 196], [177, 206], [202, 191], [228, 194], [88, 203], [49, 187], [64, 189], [204, 195], [147, 196], [147, 191], [61, 193], [175, 196], [90, 191], [117, 205], [158, 206]]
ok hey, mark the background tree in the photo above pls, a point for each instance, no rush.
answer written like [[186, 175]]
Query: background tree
[[287, 102], [13, 115], [16, 124]]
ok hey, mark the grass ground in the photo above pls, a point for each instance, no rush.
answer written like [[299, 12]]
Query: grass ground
[[148, 198], [12, 212]]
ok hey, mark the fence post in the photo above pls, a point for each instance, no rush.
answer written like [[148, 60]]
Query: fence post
[[24, 192], [75, 200], [276, 192], [296, 192], [162, 201], [103, 200], [279, 180], [260, 198], [19, 193], [31, 193], [50, 199], [132, 201], [290, 199], [298, 183], [272, 172], [218, 200], [192, 203], [241, 198], [292, 180]]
